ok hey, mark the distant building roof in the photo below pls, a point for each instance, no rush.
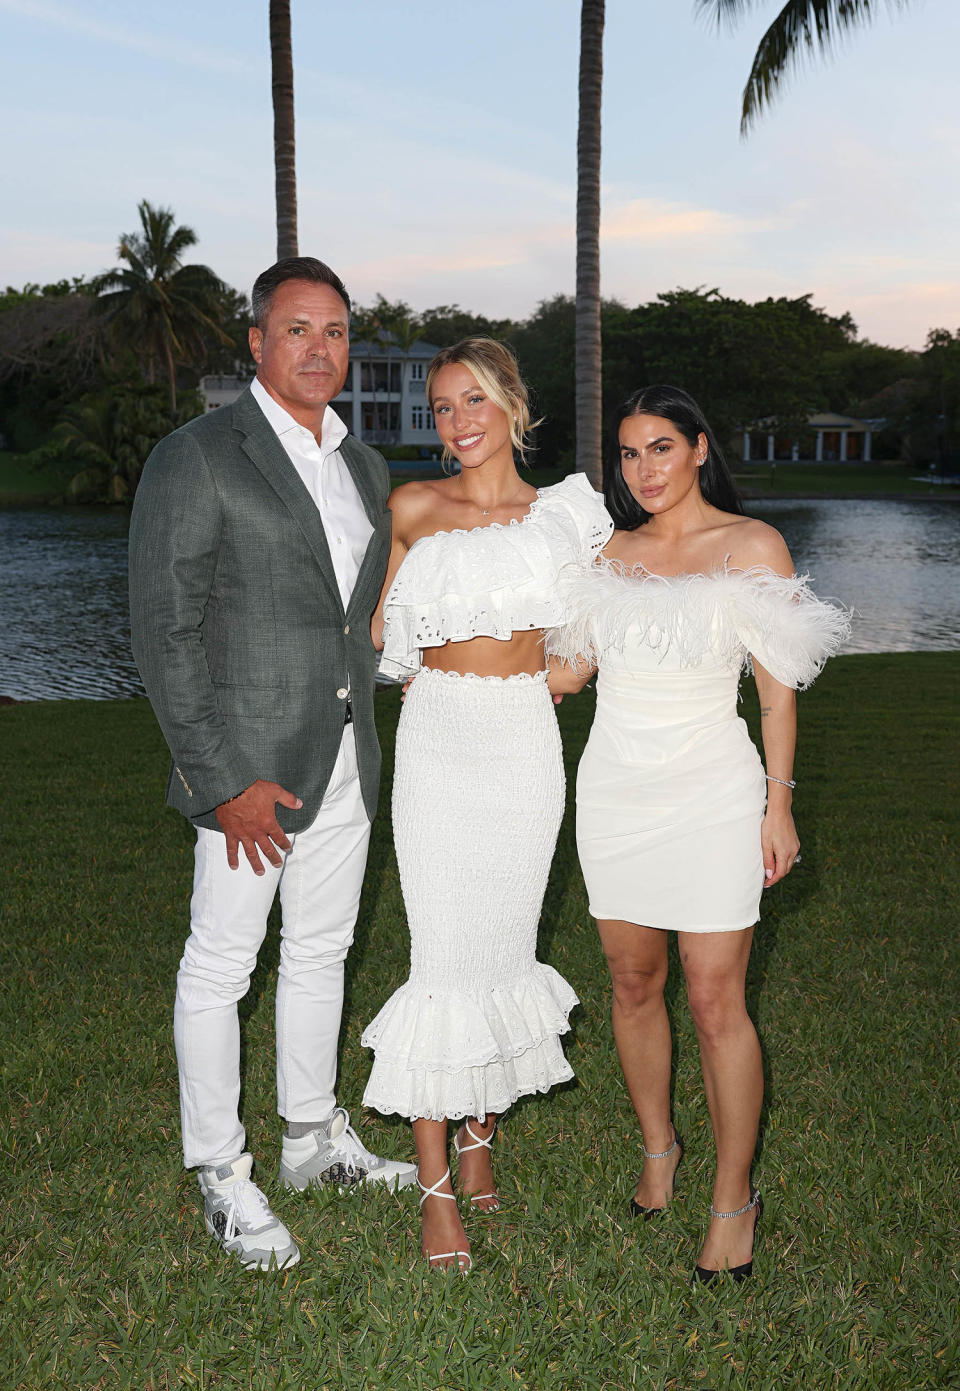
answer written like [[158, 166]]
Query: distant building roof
[[826, 420], [361, 347], [829, 421]]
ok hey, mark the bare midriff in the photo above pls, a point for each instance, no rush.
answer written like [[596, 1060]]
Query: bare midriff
[[521, 654]]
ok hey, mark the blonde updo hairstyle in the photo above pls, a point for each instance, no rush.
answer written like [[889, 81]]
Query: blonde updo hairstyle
[[498, 376]]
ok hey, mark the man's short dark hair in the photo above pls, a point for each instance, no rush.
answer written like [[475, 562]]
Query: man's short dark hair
[[292, 268]]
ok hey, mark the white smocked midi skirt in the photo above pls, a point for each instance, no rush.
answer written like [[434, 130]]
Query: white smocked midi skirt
[[478, 798]]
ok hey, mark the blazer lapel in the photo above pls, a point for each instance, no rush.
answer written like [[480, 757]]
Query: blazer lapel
[[262, 446], [356, 466], [374, 563]]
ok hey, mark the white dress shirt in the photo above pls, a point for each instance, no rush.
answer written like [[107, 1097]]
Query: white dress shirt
[[328, 482]]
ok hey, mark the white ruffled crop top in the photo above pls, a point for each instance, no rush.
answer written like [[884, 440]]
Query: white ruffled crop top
[[697, 620], [494, 580]]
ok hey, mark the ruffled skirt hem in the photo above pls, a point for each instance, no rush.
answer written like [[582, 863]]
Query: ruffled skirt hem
[[477, 1091], [450, 1053]]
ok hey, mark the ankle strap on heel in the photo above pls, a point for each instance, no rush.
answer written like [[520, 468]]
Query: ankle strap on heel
[[434, 1190], [479, 1143]]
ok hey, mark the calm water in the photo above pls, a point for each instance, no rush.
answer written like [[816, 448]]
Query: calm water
[[64, 630]]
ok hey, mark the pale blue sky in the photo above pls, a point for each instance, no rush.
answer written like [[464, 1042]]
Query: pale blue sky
[[436, 160]]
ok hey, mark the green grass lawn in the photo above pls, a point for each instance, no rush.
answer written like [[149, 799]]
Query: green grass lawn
[[837, 480], [108, 1280]]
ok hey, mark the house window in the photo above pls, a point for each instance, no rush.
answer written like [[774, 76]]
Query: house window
[[417, 417], [416, 371]]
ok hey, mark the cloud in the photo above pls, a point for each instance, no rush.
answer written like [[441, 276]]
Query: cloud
[[181, 51], [903, 314], [656, 220]]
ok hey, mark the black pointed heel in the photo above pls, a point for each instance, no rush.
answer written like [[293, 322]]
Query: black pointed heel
[[702, 1276], [647, 1214]]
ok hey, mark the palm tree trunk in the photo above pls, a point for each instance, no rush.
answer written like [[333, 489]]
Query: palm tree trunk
[[589, 405], [172, 376], [284, 149]]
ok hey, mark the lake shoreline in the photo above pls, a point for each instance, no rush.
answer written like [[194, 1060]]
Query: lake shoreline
[[56, 501], [382, 690]]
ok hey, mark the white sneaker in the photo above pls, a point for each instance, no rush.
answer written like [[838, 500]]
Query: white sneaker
[[238, 1215], [341, 1159]]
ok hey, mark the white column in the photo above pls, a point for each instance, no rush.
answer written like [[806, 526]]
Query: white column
[[819, 450], [770, 449], [746, 446], [866, 446], [843, 446]]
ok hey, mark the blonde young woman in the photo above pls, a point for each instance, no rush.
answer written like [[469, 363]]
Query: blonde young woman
[[679, 826], [472, 583]]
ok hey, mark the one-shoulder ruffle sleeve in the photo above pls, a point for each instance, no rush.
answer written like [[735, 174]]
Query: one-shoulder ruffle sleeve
[[494, 580], [729, 614]]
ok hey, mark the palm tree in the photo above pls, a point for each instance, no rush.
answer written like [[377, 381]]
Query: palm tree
[[588, 341], [164, 311], [802, 26], [284, 148]]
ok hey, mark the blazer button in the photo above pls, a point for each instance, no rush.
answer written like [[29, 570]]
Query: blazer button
[[346, 630], [342, 693]]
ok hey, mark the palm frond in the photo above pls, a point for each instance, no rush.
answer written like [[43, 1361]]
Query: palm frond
[[802, 28], [728, 12]]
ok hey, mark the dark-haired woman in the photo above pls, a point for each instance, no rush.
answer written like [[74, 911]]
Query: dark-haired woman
[[679, 826]]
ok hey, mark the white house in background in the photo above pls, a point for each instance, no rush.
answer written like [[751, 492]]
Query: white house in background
[[383, 400], [221, 391], [827, 437]]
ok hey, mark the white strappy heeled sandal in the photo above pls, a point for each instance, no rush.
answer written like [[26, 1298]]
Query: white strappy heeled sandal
[[434, 1192], [479, 1143]]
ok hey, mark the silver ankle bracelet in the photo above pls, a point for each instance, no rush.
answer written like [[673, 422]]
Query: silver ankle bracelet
[[663, 1153], [747, 1207]]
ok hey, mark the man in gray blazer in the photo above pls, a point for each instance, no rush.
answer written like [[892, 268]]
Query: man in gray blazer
[[258, 546]]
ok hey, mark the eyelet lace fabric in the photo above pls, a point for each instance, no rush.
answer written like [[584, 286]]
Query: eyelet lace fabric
[[478, 797], [494, 580]]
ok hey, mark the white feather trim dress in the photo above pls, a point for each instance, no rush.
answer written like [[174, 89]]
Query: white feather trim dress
[[478, 796], [670, 790]]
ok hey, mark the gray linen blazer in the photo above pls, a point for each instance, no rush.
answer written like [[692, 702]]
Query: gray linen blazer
[[238, 627]]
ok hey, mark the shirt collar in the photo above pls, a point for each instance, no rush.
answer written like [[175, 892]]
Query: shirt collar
[[332, 430]]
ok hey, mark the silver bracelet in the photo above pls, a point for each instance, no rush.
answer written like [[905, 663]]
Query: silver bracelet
[[784, 782]]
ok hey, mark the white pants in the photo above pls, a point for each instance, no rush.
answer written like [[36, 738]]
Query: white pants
[[319, 883]]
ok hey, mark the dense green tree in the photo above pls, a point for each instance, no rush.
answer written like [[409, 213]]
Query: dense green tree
[[922, 407], [50, 352], [165, 312], [778, 360], [111, 432], [447, 324]]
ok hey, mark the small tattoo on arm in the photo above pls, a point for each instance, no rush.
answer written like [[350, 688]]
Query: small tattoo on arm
[[765, 710]]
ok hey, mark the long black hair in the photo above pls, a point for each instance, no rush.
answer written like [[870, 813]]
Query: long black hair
[[675, 405]]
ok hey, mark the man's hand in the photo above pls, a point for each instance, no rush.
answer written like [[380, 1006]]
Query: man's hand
[[250, 820]]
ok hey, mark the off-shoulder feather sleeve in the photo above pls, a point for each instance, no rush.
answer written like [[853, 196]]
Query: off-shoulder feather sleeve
[[783, 624], [727, 614]]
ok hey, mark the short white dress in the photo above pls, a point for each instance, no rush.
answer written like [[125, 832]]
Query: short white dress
[[478, 797], [670, 790]]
